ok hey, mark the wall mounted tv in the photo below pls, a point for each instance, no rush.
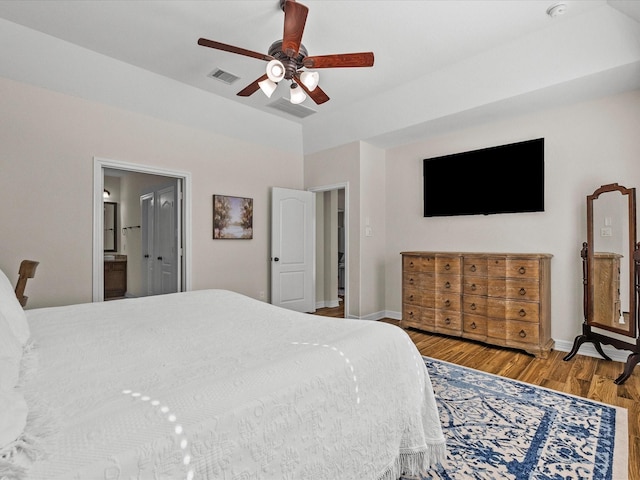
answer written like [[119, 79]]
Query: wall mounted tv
[[503, 179]]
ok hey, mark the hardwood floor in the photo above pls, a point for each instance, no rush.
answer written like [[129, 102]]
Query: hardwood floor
[[583, 376]]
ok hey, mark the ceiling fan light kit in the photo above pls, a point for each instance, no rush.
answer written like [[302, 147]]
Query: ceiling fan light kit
[[267, 87], [297, 95], [275, 70], [287, 58], [310, 80]]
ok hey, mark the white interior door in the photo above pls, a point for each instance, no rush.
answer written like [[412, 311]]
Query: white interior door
[[160, 240], [293, 249]]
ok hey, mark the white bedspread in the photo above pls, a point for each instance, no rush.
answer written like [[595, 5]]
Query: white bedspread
[[251, 392]]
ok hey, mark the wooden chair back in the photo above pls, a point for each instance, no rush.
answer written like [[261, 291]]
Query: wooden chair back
[[27, 270]]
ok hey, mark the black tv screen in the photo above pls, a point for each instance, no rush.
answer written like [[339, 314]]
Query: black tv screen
[[503, 179]]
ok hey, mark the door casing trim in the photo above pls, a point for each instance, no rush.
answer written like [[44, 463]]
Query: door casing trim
[[98, 186]]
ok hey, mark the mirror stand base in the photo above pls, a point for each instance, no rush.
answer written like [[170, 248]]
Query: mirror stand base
[[580, 339], [632, 361]]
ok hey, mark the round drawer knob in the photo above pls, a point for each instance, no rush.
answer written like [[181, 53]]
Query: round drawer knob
[[447, 267], [447, 321], [410, 314], [411, 281], [411, 264], [473, 325], [473, 286], [522, 333], [472, 268], [447, 285], [410, 297], [522, 313], [522, 270], [473, 306], [523, 291], [447, 303]]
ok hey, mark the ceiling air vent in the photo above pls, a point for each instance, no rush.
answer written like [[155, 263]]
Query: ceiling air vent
[[223, 76], [284, 105]]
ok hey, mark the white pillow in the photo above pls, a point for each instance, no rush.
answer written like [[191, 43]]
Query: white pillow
[[10, 356], [12, 310], [13, 416]]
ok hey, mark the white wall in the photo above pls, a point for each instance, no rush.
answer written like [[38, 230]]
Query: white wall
[[586, 145], [372, 231], [47, 144]]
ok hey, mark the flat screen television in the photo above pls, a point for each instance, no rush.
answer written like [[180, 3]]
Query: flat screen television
[[503, 179]]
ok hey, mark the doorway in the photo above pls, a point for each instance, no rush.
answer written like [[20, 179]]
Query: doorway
[[137, 180], [332, 252]]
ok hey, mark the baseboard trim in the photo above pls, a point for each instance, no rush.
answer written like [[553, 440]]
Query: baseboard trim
[[328, 304]]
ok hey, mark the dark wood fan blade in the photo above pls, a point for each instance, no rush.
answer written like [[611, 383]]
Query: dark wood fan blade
[[230, 48], [295, 17], [340, 60], [251, 88], [317, 95]]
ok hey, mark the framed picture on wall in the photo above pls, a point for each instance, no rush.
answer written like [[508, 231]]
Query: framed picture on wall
[[232, 217]]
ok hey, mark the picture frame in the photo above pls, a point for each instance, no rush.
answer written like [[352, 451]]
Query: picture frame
[[232, 218]]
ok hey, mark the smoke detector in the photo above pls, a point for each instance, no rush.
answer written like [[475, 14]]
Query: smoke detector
[[557, 9]]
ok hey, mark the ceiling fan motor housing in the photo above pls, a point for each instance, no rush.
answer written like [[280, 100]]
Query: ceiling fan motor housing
[[291, 64]]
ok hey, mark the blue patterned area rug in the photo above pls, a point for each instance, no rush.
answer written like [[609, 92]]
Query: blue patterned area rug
[[497, 428]]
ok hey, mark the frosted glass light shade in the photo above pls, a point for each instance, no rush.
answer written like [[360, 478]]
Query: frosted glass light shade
[[310, 80], [297, 95], [275, 70], [267, 87]]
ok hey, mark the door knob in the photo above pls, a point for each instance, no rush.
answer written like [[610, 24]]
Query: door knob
[[146, 256], [159, 258], [276, 259]]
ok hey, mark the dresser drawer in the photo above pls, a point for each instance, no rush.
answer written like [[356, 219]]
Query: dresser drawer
[[448, 322], [522, 332], [415, 296], [448, 265], [448, 301], [513, 310], [448, 283], [513, 267], [522, 289], [418, 280], [475, 325], [514, 288], [475, 266], [475, 285], [474, 305], [418, 316], [424, 264]]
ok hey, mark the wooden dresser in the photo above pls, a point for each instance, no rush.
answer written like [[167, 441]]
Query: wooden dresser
[[498, 298]]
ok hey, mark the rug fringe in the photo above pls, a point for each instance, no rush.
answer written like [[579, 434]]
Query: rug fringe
[[410, 464]]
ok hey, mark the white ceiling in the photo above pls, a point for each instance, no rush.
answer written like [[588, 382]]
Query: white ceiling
[[437, 63]]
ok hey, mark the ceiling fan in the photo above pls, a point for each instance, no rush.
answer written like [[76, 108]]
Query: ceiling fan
[[288, 57]]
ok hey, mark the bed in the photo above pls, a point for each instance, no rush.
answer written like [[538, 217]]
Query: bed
[[212, 384]]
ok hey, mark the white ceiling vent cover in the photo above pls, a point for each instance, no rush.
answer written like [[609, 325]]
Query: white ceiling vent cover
[[223, 76], [284, 105]]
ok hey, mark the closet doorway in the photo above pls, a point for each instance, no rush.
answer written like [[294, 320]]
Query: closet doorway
[[332, 249], [153, 230]]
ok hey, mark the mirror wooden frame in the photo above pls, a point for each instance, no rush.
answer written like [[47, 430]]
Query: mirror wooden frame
[[587, 254]]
